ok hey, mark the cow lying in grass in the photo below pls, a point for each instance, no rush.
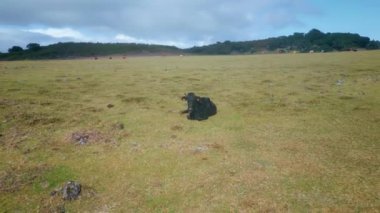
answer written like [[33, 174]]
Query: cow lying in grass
[[198, 108]]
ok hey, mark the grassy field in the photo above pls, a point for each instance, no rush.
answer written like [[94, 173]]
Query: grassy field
[[294, 132]]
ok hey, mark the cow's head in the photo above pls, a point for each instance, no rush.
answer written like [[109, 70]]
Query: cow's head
[[191, 99], [189, 96]]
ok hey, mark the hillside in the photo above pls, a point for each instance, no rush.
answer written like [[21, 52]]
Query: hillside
[[78, 50], [314, 40]]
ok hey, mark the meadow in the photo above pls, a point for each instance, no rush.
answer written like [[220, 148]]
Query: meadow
[[293, 133]]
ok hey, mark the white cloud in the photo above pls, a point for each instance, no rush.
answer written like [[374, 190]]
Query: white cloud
[[129, 39], [18, 37], [60, 33], [172, 22]]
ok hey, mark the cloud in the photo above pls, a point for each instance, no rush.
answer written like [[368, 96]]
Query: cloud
[[15, 37], [129, 39], [60, 33], [180, 22]]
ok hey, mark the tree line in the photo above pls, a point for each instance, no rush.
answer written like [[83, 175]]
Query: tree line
[[314, 40], [69, 50]]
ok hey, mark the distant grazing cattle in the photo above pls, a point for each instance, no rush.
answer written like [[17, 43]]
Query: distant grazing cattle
[[198, 108]]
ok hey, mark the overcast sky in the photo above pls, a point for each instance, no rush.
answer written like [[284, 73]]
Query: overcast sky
[[183, 23]]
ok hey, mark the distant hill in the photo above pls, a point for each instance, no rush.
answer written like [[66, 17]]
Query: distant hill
[[314, 40], [69, 50]]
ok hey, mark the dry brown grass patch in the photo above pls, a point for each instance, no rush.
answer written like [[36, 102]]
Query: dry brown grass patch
[[15, 178]]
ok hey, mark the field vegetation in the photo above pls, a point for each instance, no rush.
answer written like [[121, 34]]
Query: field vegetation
[[293, 132]]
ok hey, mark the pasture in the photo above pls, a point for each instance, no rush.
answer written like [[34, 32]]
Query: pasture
[[293, 132]]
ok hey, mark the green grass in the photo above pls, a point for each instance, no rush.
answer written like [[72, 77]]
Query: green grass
[[53, 178], [294, 132]]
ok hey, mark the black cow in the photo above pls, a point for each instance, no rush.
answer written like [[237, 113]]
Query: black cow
[[198, 108]]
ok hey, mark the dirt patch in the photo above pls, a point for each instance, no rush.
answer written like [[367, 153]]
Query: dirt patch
[[134, 100], [88, 136], [15, 179], [4, 103], [361, 108], [13, 90], [44, 121], [13, 137], [194, 79], [46, 103], [216, 146], [292, 93], [176, 128], [93, 109], [267, 81], [199, 149], [94, 136], [33, 118], [207, 147]]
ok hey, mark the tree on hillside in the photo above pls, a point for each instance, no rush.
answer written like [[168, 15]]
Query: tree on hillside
[[373, 45], [314, 35], [15, 49], [33, 46]]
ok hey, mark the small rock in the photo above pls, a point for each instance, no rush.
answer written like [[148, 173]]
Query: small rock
[[199, 149], [83, 140], [71, 190], [80, 138], [110, 105], [339, 82]]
